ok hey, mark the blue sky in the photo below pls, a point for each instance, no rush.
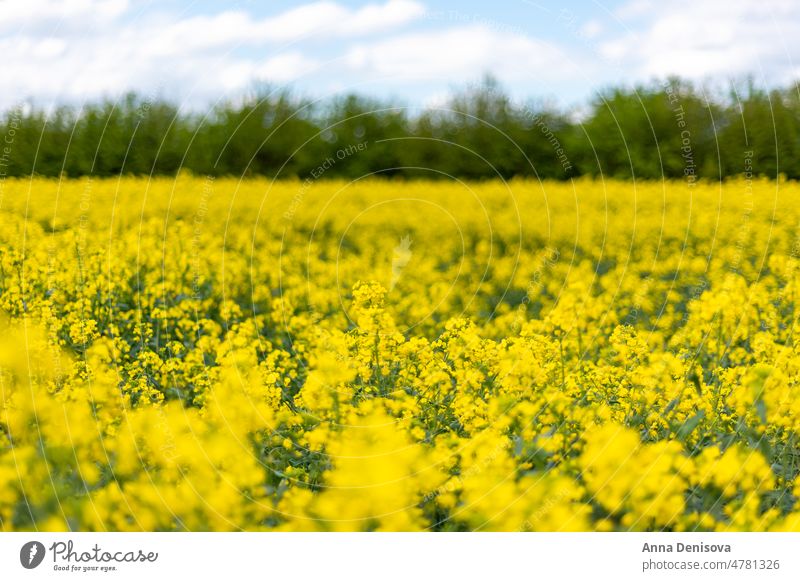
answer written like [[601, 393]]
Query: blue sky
[[412, 51]]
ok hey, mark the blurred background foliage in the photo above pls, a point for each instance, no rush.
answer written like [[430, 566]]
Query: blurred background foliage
[[668, 128]]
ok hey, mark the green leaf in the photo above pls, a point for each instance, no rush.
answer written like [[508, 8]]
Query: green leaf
[[690, 425]]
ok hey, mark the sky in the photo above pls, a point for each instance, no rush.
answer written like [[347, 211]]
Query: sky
[[412, 52]]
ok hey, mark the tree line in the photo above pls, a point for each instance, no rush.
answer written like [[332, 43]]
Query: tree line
[[668, 128]]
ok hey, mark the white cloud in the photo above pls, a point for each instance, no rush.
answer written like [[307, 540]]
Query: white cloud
[[705, 38], [330, 19], [49, 47], [33, 14], [311, 22], [459, 54], [591, 29], [56, 50], [85, 49], [285, 67]]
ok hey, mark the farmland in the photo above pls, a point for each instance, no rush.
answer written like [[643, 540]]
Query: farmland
[[214, 354]]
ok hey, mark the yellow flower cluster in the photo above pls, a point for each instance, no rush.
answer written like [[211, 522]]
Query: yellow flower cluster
[[200, 354]]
